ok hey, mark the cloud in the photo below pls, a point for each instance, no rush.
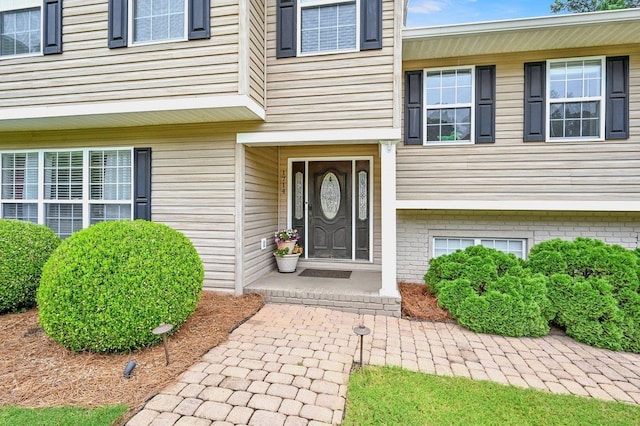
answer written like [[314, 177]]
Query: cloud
[[427, 6]]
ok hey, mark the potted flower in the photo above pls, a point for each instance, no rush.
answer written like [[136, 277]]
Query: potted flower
[[287, 238], [288, 250]]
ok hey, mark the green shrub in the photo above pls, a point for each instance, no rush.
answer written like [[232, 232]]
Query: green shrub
[[106, 287], [24, 249], [586, 258], [590, 288], [587, 310], [489, 291], [594, 289], [453, 293], [509, 307], [478, 264]]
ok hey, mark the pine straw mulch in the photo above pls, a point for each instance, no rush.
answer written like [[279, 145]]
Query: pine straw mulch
[[37, 372], [419, 304]]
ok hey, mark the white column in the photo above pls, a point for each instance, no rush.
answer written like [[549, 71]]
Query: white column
[[388, 200]]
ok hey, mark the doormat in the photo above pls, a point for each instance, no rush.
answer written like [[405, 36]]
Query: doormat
[[324, 273]]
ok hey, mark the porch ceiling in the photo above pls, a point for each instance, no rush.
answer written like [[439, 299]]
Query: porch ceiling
[[130, 113], [521, 35]]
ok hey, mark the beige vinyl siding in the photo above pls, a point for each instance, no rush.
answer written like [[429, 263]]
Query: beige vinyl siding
[[193, 182], [88, 71], [257, 54], [511, 169], [326, 152], [330, 91], [260, 210]]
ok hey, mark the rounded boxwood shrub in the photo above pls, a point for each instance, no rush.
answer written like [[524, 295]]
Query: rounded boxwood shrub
[[106, 287], [24, 249], [594, 289], [489, 291]]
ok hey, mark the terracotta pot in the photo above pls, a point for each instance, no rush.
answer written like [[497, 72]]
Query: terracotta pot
[[287, 244]]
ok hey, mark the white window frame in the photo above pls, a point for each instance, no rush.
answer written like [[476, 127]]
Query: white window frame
[[18, 5], [86, 200], [601, 99], [477, 242], [316, 3], [29, 201], [426, 106], [132, 42]]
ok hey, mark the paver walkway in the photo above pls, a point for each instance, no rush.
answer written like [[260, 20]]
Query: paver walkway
[[290, 364]]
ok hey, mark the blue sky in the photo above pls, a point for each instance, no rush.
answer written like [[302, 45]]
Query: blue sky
[[441, 12]]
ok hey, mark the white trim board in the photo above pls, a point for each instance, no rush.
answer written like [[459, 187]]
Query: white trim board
[[525, 205], [362, 135], [522, 24]]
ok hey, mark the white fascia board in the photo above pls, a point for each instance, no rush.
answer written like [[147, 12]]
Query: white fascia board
[[520, 24], [302, 137], [125, 107], [525, 205]]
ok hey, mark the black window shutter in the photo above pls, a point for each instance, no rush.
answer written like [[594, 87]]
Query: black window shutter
[[286, 29], [617, 102], [199, 19], [413, 128], [118, 24], [52, 27], [371, 24], [142, 183], [534, 101], [486, 104]]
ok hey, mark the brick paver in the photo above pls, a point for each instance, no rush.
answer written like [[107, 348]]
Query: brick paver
[[290, 364]]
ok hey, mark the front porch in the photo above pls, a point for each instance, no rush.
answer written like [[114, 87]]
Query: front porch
[[341, 200], [359, 293]]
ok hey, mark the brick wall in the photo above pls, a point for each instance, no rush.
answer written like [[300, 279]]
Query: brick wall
[[416, 229]]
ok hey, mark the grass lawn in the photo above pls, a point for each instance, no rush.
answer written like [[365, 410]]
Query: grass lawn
[[61, 416], [392, 396]]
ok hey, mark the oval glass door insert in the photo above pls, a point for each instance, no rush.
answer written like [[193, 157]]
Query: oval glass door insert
[[330, 195]]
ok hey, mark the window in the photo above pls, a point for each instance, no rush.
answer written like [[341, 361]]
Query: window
[[152, 21], [157, 20], [20, 186], [63, 191], [449, 245], [36, 28], [110, 185], [20, 32], [446, 245], [307, 27], [575, 99], [515, 247], [449, 105], [327, 26], [581, 99], [67, 190]]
